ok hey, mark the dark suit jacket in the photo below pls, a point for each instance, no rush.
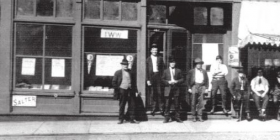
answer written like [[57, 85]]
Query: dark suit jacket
[[236, 85], [191, 78], [167, 77], [117, 80], [149, 67]]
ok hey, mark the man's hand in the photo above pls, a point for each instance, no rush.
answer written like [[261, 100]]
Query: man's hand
[[149, 83], [234, 97], [190, 90], [206, 91]]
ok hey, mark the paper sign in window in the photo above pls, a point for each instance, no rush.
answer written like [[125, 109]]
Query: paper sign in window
[[21, 100], [58, 67], [107, 65], [209, 52], [28, 66]]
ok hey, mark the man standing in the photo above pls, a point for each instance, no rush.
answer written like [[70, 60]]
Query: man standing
[[260, 87], [197, 80], [125, 86], [240, 92], [155, 68], [219, 71], [172, 78], [276, 93]]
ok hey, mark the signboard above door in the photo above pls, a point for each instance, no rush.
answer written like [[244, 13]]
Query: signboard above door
[[119, 34]]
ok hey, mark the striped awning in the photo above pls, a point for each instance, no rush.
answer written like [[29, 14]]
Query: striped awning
[[259, 23]]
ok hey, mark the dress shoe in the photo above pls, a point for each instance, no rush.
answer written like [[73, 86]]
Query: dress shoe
[[225, 111], [153, 112], [178, 120], [134, 121], [200, 119], [194, 119], [120, 122], [166, 120], [212, 110]]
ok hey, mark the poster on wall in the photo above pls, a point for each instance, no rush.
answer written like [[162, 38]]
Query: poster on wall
[[233, 56], [58, 67], [107, 65], [209, 52], [28, 66]]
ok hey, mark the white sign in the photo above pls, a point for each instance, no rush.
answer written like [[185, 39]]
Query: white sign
[[58, 67], [107, 65], [209, 52], [120, 34], [233, 56], [28, 66], [21, 100]]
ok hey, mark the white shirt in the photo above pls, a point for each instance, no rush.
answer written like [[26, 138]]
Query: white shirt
[[242, 83], [154, 62], [259, 87], [278, 79], [218, 67], [172, 73], [198, 76]]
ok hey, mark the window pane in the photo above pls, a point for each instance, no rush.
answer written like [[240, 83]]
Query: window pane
[[59, 41], [217, 16], [200, 16], [55, 79], [25, 7], [111, 9], [92, 9], [129, 10], [94, 43], [157, 13], [45, 7], [29, 39], [28, 80], [64, 8]]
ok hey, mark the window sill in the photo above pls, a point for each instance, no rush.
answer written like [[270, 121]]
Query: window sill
[[45, 93]]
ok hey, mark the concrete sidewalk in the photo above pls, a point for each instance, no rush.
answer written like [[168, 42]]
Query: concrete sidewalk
[[109, 129]]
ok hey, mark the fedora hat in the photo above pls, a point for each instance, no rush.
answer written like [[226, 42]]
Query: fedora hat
[[124, 62], [198, 61], [171, 60], [219, 57], [240, 71]]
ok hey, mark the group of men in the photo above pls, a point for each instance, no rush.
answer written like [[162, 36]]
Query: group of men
[[165, 87]]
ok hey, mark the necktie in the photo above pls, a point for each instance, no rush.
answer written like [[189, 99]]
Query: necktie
[[242, 84], [260, 80]]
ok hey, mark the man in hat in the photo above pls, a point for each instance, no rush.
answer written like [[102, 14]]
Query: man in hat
[[276, 92], [260, 87], [219, 82], [125, 86], [172, 78], [240, 91], [198, 83], [155, 67]]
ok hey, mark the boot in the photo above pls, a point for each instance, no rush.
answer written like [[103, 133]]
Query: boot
[[166, 120], [212, 110], [248, 117], [225, 111], [194, 118], [238, 117], [200, 119]]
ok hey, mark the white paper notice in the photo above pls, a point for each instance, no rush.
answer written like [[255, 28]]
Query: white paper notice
[[28, 66], [209, 52], [58, 67], [107, 65]]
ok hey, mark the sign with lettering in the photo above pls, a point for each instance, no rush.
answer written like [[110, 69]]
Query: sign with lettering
[[119, 34], [233, 56], [22, 100]]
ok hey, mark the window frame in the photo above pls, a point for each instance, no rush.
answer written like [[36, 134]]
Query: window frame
[[42, 91]]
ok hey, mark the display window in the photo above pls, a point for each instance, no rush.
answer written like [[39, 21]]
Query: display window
[[45, 8], [122, 10], [104, 49], [43, 57]]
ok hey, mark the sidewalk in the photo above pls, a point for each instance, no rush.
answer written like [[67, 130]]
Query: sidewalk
[[155, 129]]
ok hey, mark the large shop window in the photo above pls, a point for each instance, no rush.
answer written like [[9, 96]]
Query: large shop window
[[125, 10], [45, 8], [43, 56], [104, 49]]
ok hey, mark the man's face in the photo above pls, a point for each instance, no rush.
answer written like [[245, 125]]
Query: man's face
[[241, 74], [260, 73], [172, 64], [219, 61], [198, 66], [154, 51], [124, 67]]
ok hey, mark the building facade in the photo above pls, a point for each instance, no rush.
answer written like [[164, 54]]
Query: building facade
[[58, 56]]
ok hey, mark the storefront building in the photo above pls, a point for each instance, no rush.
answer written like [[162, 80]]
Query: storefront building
[[58, 56]]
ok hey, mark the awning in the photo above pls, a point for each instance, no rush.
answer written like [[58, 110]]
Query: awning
[[259, 23]]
